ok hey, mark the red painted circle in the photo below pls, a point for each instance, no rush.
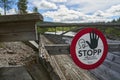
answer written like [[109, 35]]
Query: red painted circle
[[73, 49]]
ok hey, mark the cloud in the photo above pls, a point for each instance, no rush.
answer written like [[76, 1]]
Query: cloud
[[9, 12], [114, 10], [1, 10], [44, 4], [88, 6], [63, 14], [58, 1]]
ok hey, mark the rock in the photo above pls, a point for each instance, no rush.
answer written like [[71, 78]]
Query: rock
[[12, 63], [10, 51]]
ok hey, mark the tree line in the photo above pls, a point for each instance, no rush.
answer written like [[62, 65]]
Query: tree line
[[21, 6], [116, 20]]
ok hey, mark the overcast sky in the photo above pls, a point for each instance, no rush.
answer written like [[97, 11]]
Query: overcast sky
[[75, 10]]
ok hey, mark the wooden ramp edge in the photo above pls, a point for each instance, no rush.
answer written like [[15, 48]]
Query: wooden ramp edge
[[62, 65]]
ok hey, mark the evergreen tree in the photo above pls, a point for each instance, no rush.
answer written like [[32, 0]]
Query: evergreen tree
[[6, 4], [22, 6], [118, 20], [35, 10], [113, 21]]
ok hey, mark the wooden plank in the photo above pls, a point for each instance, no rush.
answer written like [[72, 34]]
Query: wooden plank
[[32, 44], [14, 73], [114, 47], [63, 64], [21, 17], [105, 73], [99, 74], [113, 66], [110, 56], [17, 27], [56, 49], [38, 72], [116, 53], [53, 24], [21, 36], [113, 57], [48, 61]]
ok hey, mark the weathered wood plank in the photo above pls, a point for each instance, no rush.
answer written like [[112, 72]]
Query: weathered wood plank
[[99, 74], [65, 48], [53, 24], [105, 73], [17, 27], [38, 72], [116, 53], [56, 49], [63, 64], [114, 47], [113, 66], [32, 44], [48, 61], [14, 73], [21, 17], [21, 36], [110, 56], [114, 58]]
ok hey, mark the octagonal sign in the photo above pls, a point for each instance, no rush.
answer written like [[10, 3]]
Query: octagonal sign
[[89, 48]]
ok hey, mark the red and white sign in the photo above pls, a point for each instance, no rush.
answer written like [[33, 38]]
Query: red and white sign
[[89, 48]]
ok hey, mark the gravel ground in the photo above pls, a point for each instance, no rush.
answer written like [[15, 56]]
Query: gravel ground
[[15, 54]]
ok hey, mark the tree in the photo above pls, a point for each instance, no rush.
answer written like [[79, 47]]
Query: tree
[[113, 21], [6, 4], [22, 6], [118, 20], [35, 10]]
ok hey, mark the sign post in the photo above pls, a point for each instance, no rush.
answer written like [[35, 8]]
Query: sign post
[[89, 48]]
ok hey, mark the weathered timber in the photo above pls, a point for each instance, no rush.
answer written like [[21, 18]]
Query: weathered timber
[[22, 36], [62, 64], [48, 61], [21, 17], [53, 24], [114, 47], [57, 49], [110, 69], [112, 65], [106, 73], [19, 27], [37, 72], [14, 73], [32, 44]]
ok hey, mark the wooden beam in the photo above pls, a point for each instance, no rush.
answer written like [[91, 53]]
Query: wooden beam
[[57, 49], [21, 17], [32, 44], [53, 24], [17, 27], [21, 36]]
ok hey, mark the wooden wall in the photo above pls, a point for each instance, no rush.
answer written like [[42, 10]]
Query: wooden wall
[[19, 27]]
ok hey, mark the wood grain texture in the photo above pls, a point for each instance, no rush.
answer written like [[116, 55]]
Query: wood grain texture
[[21, 17], [21, 36]]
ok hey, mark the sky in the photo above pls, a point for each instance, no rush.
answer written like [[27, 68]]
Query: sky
[[74, 11]]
